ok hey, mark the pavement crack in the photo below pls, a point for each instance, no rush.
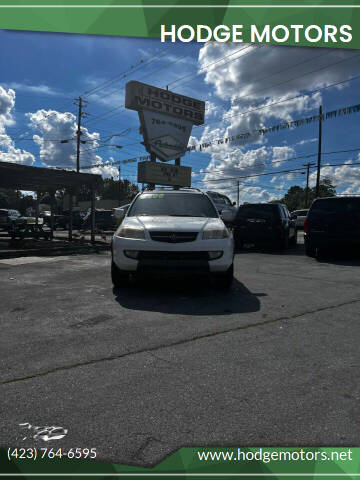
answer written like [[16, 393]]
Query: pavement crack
[[300, 277], [178, 342], [140, 451]]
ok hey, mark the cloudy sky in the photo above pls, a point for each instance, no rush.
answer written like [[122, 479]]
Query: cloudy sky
[[246, 88]]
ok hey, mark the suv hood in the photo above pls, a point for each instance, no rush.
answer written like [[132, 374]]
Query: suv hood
[[174, 224]]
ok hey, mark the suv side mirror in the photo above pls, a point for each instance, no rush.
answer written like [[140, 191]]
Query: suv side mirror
[[226, 216], [234, 204]]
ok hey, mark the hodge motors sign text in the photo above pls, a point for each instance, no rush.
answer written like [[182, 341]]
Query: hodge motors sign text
[[140, 96]]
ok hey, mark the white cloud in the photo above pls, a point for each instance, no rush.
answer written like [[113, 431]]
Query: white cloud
[[234, 162], [16, 155], [55, 127], [8, 151], [345, 178], [281, 154], [257, 79], [308, 140], [7, 102], [106, 170], [261, 74], [39, 89]]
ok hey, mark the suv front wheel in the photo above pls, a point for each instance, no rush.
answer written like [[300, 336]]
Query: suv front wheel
[[224, 280], [120, 278]]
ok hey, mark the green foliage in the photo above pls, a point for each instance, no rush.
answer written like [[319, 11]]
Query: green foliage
[[9, 198], [110, 189], [295, 197], [115, 190]]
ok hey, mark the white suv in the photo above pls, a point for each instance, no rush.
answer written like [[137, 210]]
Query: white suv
[[172, 231]]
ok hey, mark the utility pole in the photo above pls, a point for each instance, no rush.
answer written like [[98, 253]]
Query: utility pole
[[319, 154], [79, 102], [238, 194], [119, 185], [78, 133], [307, 165]]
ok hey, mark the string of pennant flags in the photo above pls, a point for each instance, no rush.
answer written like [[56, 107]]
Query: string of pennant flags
[[244, 136]]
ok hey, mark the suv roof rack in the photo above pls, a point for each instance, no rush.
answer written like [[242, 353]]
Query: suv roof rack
[[171, 189]]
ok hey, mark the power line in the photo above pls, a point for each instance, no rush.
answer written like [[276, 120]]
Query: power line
[[124, 74], [152, 60], [277, 172], [280, 101], [214, 63], [203, 68], [298, 76]]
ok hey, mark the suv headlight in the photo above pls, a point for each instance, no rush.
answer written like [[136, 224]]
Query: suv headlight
[[215, 234], [126, 232]]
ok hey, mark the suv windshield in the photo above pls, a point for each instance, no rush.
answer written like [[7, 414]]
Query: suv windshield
[[173, 204], [268, 211], [219, 199], [338, 206]]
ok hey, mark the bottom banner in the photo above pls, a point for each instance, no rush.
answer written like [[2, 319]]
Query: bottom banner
[[201, 462]]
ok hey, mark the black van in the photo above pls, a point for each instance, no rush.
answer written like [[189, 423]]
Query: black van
[[333, 223], [266, 224]]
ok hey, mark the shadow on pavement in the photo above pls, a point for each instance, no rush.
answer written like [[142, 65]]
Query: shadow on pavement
[[348, 258], [297, 250], [187, 297]]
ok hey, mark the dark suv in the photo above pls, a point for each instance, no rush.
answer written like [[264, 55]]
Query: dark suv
[[63, 221], [104, 220], [268, 224], [332, 223], [10, 218]]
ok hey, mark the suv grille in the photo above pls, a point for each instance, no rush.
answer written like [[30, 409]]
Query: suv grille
[[173, 256], [173, 237]]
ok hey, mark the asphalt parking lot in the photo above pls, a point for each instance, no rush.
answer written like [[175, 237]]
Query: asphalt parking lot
[[138, 373]]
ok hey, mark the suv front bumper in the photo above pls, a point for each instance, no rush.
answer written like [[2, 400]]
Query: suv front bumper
[[189, 257]]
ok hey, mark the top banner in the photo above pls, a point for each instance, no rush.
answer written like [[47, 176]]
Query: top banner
[[319, 24]]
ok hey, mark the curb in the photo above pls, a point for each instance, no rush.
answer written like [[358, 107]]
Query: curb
[[55, 251]]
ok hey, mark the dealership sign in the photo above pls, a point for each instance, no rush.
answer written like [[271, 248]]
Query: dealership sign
[[167, 137], [164, 174], [166, 118], [140, 96]]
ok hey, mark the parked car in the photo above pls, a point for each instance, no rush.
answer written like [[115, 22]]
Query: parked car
[[333, 223], [120, 212], [172, 231], [10, 218], [104, 220], [46, 216], [63, 221], [266, 224], [222, 202], [299, 217]]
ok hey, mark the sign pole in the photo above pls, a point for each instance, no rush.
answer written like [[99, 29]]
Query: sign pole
[[152, 159], [177, 163]]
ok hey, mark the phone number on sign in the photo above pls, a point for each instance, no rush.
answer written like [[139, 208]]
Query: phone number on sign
[[39, 453]]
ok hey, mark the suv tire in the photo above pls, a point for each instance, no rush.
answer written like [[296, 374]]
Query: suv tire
[[293, 241], [284, 242], [310, 251], [239, 244], [120, 278], [224, 281]]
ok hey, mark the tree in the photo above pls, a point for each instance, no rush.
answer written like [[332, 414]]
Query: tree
[[115, 190], [295, 197], [326, 189]]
